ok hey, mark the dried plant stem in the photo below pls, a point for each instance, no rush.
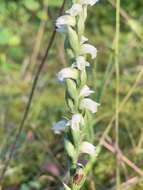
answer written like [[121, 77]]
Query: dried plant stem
[[123, 158]]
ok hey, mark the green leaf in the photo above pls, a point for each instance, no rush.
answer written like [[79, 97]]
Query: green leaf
[[34, 184], [42, 15], [32, 5], [4, 36], [25, 187], [14, 40], [54, 3]]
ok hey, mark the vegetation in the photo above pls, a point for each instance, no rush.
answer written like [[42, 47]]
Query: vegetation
[[39, 158]]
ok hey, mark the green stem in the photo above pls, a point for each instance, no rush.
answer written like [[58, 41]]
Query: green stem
[[117, 90]]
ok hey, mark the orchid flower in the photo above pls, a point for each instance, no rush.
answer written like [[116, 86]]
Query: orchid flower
[[75, 10], [85, 91], [59, 126], [81, 63], [89, 49], [87, 148], [88, 2], [65, 20], [67, 73], [89, 104], [77, 121]]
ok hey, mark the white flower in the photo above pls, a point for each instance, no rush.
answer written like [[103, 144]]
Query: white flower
[[59, 126], [89, 49], [75, 10], [88, 2], [81, 63], [83, 39], [67, 73], [76, 121], [89, 104], [88, 148], [65, 20], [85, 91]]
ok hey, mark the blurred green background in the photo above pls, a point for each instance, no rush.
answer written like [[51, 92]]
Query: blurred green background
[[25, 29]]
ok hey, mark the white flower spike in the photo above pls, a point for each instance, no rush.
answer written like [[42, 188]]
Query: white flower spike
[[88, 2], [89, 104], [72, 24], [85, 91], [81, 63], [65, 20], [75, 10], [59, 126], [89, 49], [67, 73], [76, 121], [87, 148]]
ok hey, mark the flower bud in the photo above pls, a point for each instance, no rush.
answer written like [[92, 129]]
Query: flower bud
[[70, 149], [73, 40], [83, 77], [72, 89], [69, 102]]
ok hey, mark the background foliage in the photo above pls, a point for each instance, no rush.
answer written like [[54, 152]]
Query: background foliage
[[25, 28]]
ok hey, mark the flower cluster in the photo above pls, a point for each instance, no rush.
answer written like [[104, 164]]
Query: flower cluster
[[75, 78]]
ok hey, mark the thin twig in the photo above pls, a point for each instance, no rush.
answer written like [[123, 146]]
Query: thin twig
[[27, 109]]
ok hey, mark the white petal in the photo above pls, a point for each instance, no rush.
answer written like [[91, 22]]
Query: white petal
[[77, 121], [89, 49], [59, 126], [85, 91], [67, 73], [75, 10], [62, 29], [83, 40], [89, 104], [81, 63], [88, 148], [88, 2], [65, 20], [66, 187]]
